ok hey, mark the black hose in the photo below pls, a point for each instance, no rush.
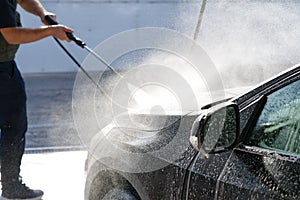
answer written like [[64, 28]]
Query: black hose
[[78, 64], [80, 43]]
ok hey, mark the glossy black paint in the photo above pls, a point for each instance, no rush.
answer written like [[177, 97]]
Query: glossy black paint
[[244, 172], [258, 174]]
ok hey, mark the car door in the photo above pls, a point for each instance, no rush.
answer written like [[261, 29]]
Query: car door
[[203, 176], [267, 163]]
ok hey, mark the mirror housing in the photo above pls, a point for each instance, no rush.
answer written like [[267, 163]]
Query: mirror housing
[[217, 129]]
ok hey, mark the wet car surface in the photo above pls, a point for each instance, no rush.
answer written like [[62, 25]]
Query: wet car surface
[[260, 162]]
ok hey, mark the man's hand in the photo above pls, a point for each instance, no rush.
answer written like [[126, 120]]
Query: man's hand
[[52, 15], [59, 31], [19, 35], [36, 8], [30, 35]]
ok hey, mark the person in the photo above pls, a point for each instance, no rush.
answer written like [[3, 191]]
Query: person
[[13, 117]]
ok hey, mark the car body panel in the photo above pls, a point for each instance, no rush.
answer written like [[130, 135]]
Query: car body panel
[[239, 173], [171, 162], [204, 174], [259, 174]]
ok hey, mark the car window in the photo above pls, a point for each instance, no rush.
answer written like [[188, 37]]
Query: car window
[[278, 126]]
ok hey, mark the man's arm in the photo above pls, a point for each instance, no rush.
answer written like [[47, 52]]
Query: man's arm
[[17, 35], [36, 8]]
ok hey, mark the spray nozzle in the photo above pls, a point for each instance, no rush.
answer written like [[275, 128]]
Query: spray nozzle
[[71, 36]]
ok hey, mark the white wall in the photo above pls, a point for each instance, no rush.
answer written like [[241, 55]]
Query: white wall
[[261, 35], [93, 21]]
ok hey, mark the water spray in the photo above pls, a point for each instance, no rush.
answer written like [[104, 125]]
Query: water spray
[[132, 88], [83, 45]]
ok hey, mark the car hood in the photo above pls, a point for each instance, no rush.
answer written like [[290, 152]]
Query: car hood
[[145, 147], [161, 116], [160, 104], [140, 137]]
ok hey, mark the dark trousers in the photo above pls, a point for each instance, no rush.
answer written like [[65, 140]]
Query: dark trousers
[[13, 122]]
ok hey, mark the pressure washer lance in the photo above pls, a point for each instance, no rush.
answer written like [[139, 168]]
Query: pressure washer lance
[[83, 45]]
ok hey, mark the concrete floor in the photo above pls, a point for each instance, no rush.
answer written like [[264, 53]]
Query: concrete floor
[[49, 107], [60, 174], [50, 162]]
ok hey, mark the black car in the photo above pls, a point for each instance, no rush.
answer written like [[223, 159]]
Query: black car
[[245, 147]]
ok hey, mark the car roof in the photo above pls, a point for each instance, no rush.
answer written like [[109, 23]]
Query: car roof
[[273, 81]]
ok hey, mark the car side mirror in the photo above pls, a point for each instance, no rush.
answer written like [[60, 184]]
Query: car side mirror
[[217, 129]]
